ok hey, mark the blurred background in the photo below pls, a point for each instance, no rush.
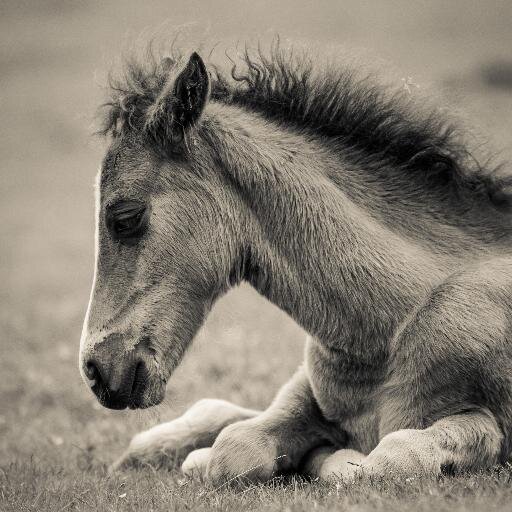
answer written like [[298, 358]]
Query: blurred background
[[53, 61]]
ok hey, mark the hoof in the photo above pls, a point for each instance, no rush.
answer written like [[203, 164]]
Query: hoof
[[195, 464]]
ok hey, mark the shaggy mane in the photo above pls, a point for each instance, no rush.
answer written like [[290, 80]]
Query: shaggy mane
[[375, 126]]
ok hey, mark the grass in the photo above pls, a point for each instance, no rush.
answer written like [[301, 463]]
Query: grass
[[37, 486], [55, 440]]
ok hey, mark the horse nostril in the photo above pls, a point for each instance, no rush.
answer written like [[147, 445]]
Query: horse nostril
[[117, 384], [92, 373], [139, 378]]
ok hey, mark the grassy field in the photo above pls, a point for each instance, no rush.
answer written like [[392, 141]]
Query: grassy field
[[55, 440]]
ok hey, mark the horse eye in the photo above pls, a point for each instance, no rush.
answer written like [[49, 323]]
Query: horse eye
[[127, 221]]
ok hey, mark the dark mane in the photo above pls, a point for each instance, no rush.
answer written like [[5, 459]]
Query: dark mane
[[375, 126]]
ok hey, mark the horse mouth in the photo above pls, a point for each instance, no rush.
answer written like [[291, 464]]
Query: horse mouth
[[142, 400], [138, 391]]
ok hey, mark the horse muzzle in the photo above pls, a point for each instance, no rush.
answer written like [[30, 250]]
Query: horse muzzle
[[118, 377]]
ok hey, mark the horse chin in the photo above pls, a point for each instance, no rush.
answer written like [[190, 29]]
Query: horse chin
[[149, 399], [146, 404]]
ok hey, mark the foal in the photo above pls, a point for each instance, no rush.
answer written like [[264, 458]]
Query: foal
[[361, 213]]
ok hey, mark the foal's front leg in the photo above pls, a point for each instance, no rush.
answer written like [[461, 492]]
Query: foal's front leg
[[458, 443], [273, 441], [169, 443]]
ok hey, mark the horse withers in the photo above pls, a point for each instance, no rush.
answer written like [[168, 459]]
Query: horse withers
[[355, 207]]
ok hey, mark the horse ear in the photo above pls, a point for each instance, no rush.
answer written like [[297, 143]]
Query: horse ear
[[191, 89], [179, 107]]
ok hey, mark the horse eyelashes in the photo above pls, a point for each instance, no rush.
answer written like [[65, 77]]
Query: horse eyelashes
[[127, 221]]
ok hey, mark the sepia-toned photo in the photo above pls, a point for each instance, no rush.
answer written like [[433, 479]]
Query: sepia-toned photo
[[256, 255]]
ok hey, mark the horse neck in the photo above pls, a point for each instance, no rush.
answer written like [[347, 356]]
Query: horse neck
[[324, 260]]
